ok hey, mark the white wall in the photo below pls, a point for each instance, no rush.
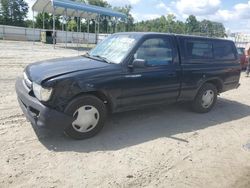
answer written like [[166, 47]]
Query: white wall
[[28, 34]]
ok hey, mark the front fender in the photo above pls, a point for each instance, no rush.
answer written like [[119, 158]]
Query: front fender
[[65, 90]]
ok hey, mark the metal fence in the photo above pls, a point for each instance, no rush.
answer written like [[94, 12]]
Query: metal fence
[[28, 34]]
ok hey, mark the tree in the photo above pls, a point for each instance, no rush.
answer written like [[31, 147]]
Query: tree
[[212, 29], [48, 21], [170, 21], [169, 24], [192, 25], [1, 14], [5, 11], [20, 10], [72, 25], [179, 27], [29, 23], [161, 24], [39, 20], [100, 3], [166, 24], [206, 27], [129, 25], [219, 29], [13, 12]]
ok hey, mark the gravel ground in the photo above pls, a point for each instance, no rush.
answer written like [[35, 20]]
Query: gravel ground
[[161, 147]]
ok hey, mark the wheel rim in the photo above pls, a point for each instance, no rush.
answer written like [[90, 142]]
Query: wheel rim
[[87, 117], [207, 98]]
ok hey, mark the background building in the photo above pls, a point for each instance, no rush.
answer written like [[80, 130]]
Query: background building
[[240, 39]]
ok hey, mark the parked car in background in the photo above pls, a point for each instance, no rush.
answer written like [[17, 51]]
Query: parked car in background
[[243, 57], [125, 72]]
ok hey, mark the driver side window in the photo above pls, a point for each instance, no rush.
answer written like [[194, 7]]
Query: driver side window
[[156, 52]]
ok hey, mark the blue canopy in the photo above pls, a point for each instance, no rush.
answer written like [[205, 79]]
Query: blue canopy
[[74, 9]]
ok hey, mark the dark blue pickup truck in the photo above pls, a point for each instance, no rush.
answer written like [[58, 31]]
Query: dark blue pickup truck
[[127, 71]]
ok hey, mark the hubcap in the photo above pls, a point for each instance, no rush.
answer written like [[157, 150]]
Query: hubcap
[[86, 118], [207, 98]]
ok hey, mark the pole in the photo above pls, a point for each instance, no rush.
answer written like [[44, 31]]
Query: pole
[[54, 31], [78, 33], [62, 26], [80, 24], [95, 33], [66, 38], [125, 24], [33, 29], [80, 29], [107, 25], [43, 21], [98, 28], [88, 33], [115, 25], [3, 32]]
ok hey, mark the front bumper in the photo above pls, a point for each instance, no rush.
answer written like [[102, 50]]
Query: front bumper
[[37, 113]]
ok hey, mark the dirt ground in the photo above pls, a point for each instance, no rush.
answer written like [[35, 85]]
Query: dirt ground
[[161, 147]]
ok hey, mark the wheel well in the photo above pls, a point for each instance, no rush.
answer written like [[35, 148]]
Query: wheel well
[[217, 83], [102, 97]]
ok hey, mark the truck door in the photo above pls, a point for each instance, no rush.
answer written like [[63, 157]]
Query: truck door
[[158, 81]]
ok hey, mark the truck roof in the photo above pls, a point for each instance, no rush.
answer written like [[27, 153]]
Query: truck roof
[[171, 34]]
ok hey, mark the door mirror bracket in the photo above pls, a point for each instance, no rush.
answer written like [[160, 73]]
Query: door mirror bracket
[[138, 63]]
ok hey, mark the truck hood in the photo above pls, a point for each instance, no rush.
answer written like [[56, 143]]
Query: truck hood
[[40, 71]]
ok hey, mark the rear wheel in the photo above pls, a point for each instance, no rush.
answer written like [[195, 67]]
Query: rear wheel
[[205, 99], [89, 114]]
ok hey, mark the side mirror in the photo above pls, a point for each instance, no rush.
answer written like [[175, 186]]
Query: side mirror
[[138, 63]]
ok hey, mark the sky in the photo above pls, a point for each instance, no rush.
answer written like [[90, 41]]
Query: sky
[[234, 14]]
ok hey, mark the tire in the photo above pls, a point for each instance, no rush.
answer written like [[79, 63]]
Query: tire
[[202, 103], [90, 122]]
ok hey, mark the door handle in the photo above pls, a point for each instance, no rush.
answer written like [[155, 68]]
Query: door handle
[[133, 76], [171, 74]]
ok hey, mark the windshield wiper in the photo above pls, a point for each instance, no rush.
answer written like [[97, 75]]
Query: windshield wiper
[[97, 56], [86, 54], [103, 59]]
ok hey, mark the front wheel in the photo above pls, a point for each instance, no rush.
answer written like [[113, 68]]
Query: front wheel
[[205, 99], [89, 114]]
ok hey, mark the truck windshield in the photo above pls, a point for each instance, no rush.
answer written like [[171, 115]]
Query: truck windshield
[[114, 48]]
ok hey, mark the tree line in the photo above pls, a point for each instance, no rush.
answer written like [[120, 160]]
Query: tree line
[[14, 12], [169, 24]]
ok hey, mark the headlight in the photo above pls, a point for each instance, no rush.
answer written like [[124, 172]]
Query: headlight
[[42, 94]]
